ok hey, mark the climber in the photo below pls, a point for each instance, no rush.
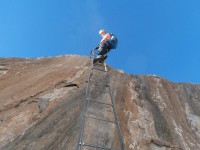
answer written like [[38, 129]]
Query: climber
[[109, 41]]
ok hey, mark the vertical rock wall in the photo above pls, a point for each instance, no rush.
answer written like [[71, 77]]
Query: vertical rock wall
[[41, 101], [158, 114]]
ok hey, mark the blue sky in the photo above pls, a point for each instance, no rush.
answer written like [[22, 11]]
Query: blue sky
[[160, 37]]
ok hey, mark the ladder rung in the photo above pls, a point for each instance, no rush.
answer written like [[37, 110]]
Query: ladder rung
[[98, 146], [98, 90], [96, 82], [100, 76], [99, 64], [99, 69], [99, 82], [100, 119], [101, 102]]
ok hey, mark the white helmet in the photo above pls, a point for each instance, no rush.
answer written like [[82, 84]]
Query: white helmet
[[101, 31]]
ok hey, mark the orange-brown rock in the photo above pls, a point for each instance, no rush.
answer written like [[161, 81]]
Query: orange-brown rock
[[41, 101]]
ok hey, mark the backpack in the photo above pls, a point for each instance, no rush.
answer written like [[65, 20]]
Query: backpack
[[113, 41]]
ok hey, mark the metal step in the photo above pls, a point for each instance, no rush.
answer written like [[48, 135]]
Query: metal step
[[98, 146], [99, 69], [101, 102], [100, 119], [99, 82], [96, 75], [99, 90]]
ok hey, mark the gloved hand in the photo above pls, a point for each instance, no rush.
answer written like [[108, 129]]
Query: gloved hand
[[94, 49]]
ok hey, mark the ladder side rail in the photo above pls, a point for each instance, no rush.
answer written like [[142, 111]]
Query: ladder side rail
[[85, 113], [116, 120], [92, 57], [82, 122]]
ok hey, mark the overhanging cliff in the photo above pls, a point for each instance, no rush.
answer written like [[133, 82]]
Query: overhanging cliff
[[41, 101]]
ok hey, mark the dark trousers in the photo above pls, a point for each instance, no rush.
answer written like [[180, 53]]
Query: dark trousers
[[104, 49]]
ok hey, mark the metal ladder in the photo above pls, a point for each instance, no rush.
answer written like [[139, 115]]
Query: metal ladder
[[99, 115]]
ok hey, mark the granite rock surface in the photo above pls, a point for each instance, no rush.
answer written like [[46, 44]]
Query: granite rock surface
[[41, 101]]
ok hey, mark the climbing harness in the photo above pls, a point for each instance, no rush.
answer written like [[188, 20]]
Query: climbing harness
[[99, 118]]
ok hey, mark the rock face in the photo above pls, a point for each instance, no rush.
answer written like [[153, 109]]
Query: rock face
[[41, 101]]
